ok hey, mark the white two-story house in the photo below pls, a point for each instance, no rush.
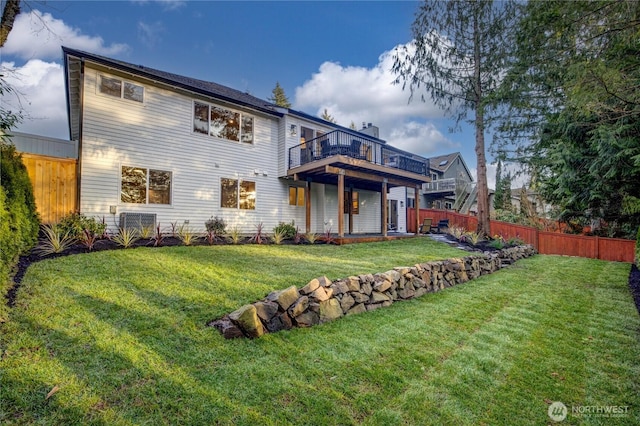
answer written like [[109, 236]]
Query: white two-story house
[[155, 147]]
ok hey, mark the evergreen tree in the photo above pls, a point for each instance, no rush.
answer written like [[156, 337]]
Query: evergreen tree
[[461, 52], [279, 97], [326, 116]]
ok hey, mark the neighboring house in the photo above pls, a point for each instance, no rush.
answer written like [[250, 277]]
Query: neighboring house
[[452, 186], [155, 147], [530, 201]]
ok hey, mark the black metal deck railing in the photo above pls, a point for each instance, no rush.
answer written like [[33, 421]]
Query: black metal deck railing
[[358, 147]]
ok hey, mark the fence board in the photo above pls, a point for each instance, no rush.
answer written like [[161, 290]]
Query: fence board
[[611, 249], [54, 185]]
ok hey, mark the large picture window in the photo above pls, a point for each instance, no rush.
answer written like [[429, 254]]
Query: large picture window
[[237, 194], [222, 123], [145, 186], [121, 89]]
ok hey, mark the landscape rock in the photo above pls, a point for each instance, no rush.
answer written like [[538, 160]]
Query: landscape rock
[[299, 306], [330, 310], [246, 318], [357, 309], [319, 294], [307, 319], [284, 298], [266, 310], [347, 302]]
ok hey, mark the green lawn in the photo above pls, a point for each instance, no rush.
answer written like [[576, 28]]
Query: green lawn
[[122, 335]]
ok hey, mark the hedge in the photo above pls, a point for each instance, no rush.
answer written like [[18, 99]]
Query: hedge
[[19, 222]]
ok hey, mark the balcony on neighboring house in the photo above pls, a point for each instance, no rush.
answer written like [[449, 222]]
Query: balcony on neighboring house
[[440, 185]]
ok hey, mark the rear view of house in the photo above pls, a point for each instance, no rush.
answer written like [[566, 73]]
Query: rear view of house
[[155, 147]]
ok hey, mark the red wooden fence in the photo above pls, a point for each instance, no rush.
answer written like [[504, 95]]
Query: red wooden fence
[[612, 249]]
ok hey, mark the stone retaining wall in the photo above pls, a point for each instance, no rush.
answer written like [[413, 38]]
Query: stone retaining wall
[[323, 300]]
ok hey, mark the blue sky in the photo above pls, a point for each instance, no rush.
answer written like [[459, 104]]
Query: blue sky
[[328, 54]]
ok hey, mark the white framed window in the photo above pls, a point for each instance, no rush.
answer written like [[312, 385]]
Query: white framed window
[[448, 205], [222, 123], [118, 88], [237, 194], [296, 196], [139, 185]]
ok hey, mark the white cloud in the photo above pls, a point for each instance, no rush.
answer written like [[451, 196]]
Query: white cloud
[[40, 35], [150, 34], [167, 5], [38, 91], [358, 94]]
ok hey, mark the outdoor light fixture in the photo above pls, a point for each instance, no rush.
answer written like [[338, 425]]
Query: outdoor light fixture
[[293, 130]]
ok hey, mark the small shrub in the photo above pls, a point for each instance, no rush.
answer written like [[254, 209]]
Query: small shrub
[[311, 237], [146, 232], [456, 231], [498, 242], [278, 236], [125, 237], [158, 237], [258, 236], [472, 237], [515, 241], [297, 239], [210, 237], [75, 224], [327, 237], [186, 236], [288, 230], [234, 235], [217, 225], [174, 229], [88, 239], [56, 240]]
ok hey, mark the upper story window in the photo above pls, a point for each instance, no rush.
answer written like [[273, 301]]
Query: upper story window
[[222, 123], [121, 89]]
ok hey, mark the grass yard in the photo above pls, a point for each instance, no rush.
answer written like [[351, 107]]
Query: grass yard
[[119, 338]]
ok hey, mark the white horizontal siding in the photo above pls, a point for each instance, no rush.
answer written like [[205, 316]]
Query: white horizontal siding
[[158, 134]]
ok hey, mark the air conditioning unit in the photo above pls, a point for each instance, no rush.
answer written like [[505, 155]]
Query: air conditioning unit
[[137, 220]]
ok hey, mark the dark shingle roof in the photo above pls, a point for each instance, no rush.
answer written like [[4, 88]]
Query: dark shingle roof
[[206, 88], [442, 162]]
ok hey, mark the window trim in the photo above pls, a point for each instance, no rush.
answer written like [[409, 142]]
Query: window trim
[[297, 190], [239, 181], [147, 183], [243, 117], [123, 82]]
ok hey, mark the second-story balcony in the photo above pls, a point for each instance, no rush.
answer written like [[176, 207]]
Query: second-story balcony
[[356, 152]]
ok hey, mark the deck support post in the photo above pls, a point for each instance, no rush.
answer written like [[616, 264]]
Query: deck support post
[[383, 208], [417, 223], [341, 204], [307, 207]]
